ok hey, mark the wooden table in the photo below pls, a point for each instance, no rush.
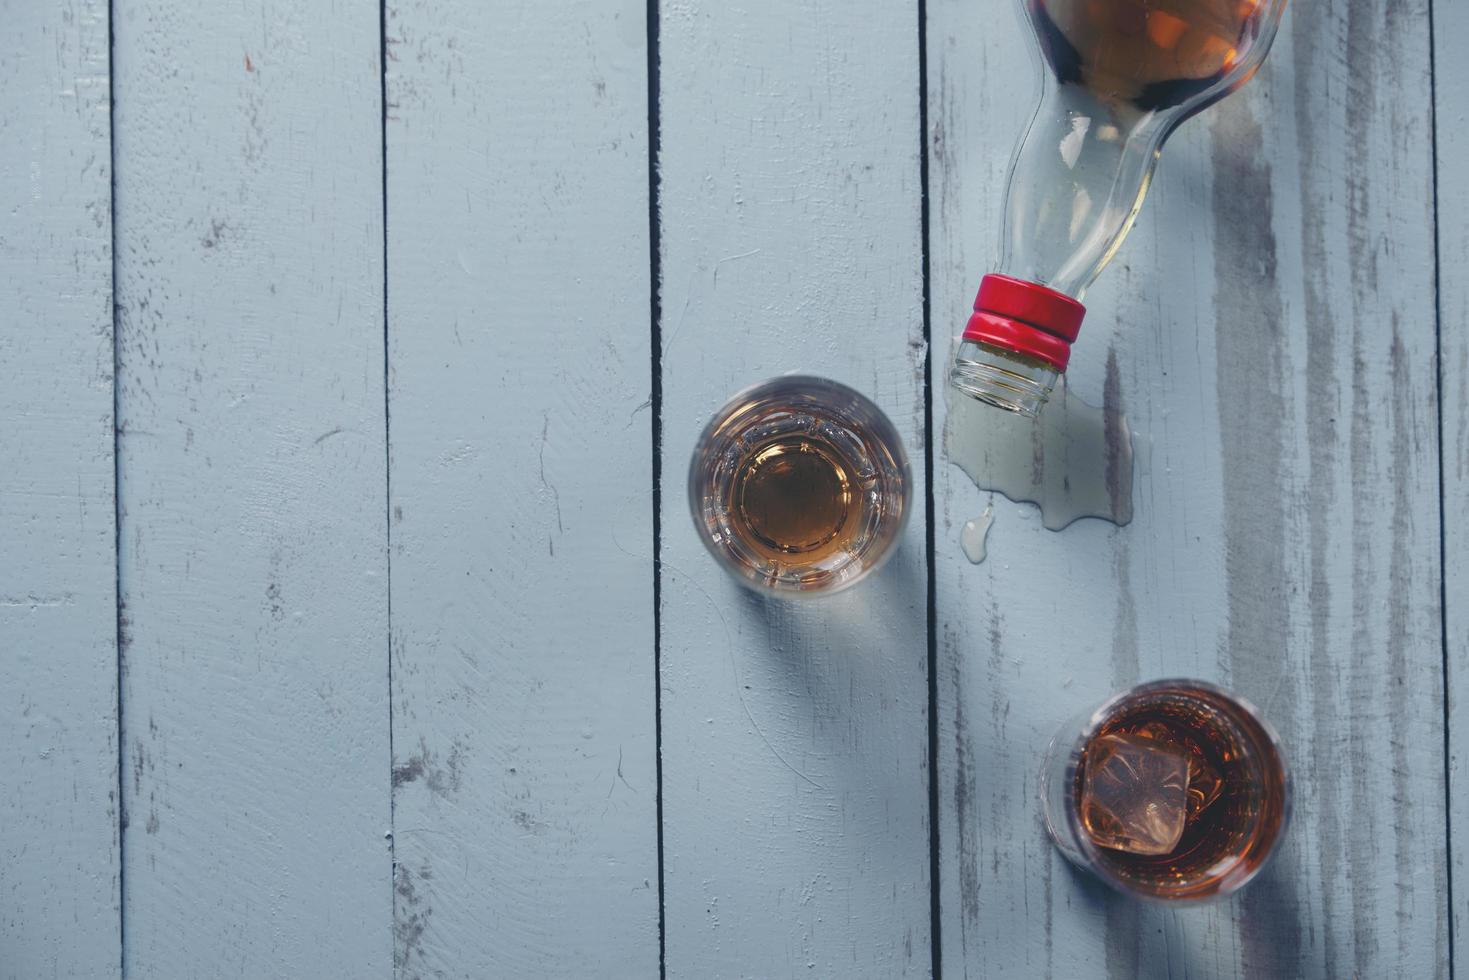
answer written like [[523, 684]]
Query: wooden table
[[351, 619]]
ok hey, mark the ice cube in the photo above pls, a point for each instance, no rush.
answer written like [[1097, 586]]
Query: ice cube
[[1204, 782], [1204, 785], [1134, 794]]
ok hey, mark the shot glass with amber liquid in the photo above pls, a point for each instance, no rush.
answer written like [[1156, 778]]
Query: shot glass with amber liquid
[[799, 486], [1173, 791]]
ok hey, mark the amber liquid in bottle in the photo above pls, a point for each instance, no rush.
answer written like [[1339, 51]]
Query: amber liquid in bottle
[[1236, 804], [1152, 54]]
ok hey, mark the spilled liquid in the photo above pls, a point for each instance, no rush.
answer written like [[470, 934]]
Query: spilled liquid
[[972, 538], [1073, 461]]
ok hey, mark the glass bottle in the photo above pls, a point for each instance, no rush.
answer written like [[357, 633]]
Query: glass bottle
[[1119, 76]]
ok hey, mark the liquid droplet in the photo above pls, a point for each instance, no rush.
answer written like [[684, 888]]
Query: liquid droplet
[[972, 537]]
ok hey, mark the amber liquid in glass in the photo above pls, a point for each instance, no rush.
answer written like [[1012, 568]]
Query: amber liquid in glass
[[1153, 54], [793, 497], [1236, 799]]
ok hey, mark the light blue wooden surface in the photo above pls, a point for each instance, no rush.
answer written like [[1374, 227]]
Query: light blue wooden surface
[[58, 567], [252, 490], [423, 670], [525, 821]]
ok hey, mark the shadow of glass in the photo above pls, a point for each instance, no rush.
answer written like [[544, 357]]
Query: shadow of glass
[[854, 665]]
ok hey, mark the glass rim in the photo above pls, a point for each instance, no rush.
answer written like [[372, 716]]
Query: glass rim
[[847, 404]]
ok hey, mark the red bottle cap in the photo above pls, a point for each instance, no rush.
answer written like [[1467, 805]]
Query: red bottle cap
[[1027, 318]]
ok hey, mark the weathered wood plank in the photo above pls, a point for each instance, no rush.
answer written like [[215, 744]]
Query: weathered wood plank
[[59, 904], [1268, 332], [253, 489], [523, 672], [1451, 88], [794, 739]]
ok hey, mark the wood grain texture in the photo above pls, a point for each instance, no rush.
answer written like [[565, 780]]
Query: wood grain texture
[[524, 770], [1268, 331], [794, 738], [253, 489], [1451, 89], [58, 616]]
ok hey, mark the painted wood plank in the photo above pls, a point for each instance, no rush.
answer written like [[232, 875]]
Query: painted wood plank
[[794, 736], [1451, 89], [1268, 332], [253, 489], [59, 904], [524, 770]]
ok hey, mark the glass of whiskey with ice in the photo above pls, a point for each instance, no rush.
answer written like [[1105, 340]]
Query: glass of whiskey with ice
[[1173, 790], [799, 486]]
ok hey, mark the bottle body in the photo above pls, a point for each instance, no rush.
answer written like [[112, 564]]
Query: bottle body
[[1078, 181], [1118, 77]]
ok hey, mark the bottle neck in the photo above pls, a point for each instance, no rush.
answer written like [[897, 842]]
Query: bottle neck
[[1079, 178]]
